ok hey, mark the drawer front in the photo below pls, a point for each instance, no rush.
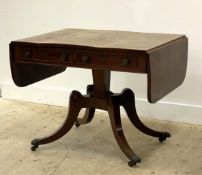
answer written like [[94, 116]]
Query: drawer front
[[38, 53], [122, 62]]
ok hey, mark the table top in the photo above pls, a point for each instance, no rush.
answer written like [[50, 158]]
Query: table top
[[163, 57], [105, 39]]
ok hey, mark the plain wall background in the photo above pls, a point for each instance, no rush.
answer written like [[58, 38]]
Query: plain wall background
[[23, 18]]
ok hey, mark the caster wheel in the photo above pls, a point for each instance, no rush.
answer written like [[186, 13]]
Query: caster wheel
[[35, 144], [164, 136], [131, 163], [33, 148], [161, 139], [77, 124], [134, 161]]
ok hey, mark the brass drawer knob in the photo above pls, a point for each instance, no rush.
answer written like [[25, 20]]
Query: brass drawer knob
[[85, 59], [125, 62], [27, 54], [63, 57]]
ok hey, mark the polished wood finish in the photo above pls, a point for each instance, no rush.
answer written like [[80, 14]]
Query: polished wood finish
[[75, 56], [89, 113], [24, 74], [154, 54], [98, 96], [74, 109], [106, 39], [166, 68], [163, 57]]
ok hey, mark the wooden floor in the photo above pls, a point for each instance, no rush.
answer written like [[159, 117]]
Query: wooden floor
[[91, 149]]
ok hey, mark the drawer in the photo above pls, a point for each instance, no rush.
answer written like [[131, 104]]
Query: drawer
[[42, 53], [122, 62]]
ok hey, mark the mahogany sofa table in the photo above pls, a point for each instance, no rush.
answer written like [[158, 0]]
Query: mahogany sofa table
[[163, 57]]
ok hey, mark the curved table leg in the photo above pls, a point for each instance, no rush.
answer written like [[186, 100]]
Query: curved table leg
[[88, 116], [127, 100], [74, 109], [114, 114], [89, 113]]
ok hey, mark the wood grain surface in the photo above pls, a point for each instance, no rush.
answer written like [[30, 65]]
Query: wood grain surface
[[105, 39], [163, 57]]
